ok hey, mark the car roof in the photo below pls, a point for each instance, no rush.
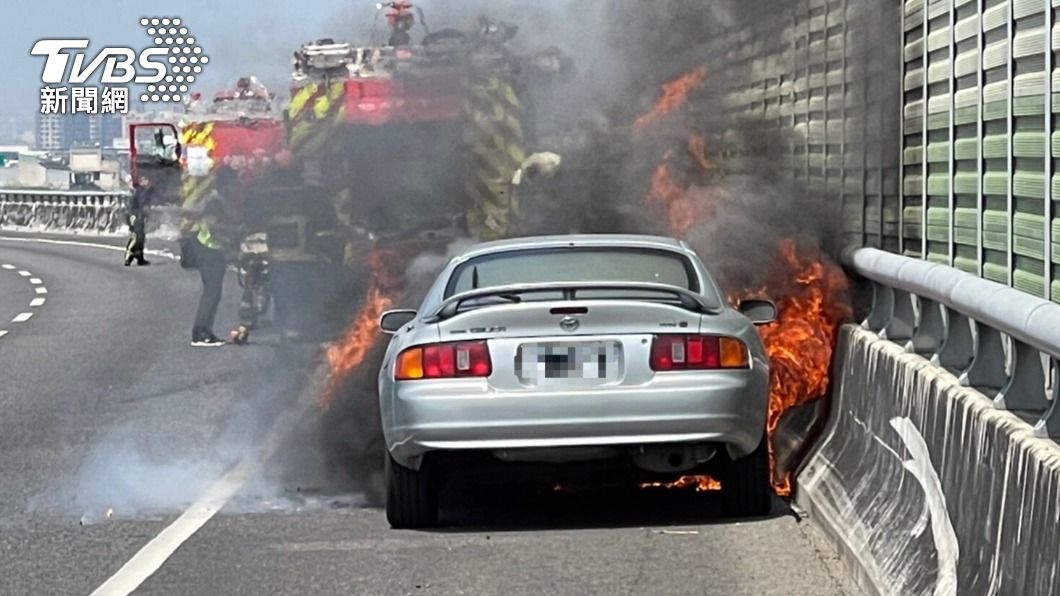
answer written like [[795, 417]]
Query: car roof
[[574, 240]]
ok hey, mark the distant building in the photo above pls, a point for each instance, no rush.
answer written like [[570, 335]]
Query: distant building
[[36, 171], [49, 132], [111, 128], [83, 168], [61, 132]]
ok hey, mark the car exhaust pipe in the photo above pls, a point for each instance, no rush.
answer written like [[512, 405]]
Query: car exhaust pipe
[[665, 459]]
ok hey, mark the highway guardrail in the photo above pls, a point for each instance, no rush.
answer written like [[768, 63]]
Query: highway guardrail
[[998, 340]]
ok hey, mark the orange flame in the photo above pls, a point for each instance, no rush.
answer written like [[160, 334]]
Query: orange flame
[[702, 483], [811, 304], [350, 351], [674, 95], [810, 291], [387, 265], [697, 148], [682, 210]]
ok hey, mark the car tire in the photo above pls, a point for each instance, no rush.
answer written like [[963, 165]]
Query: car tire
[[411, 496], [745, 483]]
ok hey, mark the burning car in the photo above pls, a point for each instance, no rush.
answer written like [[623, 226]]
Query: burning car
[[561, 349]]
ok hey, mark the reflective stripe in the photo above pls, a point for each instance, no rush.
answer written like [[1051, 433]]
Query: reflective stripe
[[495, 138], [205, 237], [319, 111], [195, 188]]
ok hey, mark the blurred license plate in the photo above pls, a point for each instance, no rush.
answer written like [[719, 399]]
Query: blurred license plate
[[565, 363]]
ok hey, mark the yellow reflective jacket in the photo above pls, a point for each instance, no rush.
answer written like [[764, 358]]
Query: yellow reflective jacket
[[206, 236]]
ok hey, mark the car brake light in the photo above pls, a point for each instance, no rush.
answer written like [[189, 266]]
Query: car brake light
[[444, 361], [697, 352]]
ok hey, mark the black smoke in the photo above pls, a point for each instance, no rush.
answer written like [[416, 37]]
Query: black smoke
[[754, 192]]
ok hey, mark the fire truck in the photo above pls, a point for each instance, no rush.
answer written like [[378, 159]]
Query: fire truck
[[394, 147], [237, 137], [401, 148], [404, 136]]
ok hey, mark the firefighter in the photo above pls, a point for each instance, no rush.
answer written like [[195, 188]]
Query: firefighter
[[211, 262], [136, 218]]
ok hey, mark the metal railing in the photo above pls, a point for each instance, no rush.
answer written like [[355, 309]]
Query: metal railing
[[68, 210], [998, 340]]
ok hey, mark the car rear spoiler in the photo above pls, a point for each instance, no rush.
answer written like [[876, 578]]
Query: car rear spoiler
[[689, 299]]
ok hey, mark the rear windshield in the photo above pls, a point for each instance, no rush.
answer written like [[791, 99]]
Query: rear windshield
[[574, 264]]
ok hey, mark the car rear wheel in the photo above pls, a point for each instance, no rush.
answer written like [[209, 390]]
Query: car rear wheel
[[411, 496], [745, 483]]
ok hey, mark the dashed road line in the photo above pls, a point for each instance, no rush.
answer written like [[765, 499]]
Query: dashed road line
[[38, 289]]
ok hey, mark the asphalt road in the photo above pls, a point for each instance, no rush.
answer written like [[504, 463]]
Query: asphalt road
[[104, 407]]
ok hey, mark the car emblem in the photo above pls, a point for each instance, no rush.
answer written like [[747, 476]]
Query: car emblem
[[569, 324]]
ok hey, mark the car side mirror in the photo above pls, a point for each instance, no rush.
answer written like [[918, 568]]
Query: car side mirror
[[393, 320], [761, 312]]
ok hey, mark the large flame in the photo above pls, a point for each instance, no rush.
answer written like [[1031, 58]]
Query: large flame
[[348, 353], [674, 95], [387, 283], [350, 350], [810, 293], [809, 290]]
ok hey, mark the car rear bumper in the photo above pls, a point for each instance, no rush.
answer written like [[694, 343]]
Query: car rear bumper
[[724, 407]]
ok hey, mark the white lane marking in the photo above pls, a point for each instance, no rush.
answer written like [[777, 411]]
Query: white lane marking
[[24, 273], [3, 332], [37, 302], [165, 253], [155, 553], [41, 290], [8, 267], [151, 557], [22, 317], [35, 281]]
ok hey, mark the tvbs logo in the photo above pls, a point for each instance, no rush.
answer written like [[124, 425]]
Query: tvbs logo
[[166, 68], [119, 64]]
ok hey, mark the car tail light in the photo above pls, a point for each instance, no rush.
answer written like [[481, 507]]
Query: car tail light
[[444, 361], [697, 352]]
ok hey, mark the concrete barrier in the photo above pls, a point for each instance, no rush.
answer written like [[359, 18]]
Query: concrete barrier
[[79, 212], [925, 486], [63, 211]]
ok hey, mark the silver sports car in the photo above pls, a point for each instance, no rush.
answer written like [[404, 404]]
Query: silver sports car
[[590, 350]]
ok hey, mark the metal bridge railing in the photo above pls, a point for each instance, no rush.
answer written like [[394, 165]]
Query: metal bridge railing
[[70, 210], [1001, 341]]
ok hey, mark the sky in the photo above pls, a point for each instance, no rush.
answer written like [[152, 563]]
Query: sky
[[258, 37], [240, 36]]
